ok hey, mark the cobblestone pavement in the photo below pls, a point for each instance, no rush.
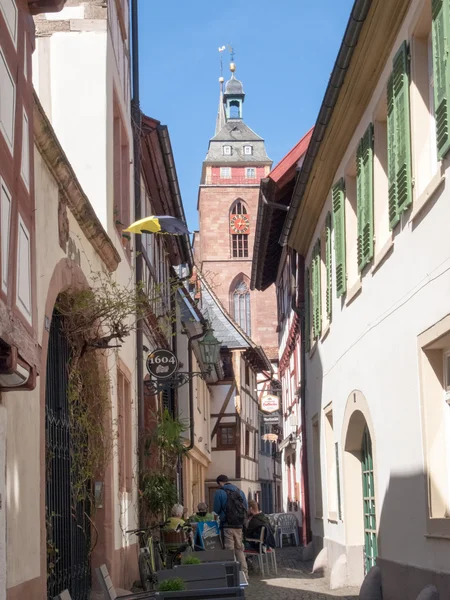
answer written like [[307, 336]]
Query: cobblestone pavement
[[294, 581]]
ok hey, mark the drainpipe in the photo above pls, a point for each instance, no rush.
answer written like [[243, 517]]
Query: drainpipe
[[306, 517], [136, 122], [191, 386]]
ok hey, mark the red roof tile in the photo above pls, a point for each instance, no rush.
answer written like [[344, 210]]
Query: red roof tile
[[285, 169]]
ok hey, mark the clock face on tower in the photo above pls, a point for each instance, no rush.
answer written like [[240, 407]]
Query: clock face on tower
[[239, 224]]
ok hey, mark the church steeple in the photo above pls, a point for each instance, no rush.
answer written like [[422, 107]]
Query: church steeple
[[234, 143], [220, 120], [234, 96]]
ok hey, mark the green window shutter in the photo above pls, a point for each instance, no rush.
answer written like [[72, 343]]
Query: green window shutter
[[399, 137], [317, 292], [440, 10], [329, 296], [338, 200], [364, 197], [394, 215], [403, 127], [307, 311], [368, 233], [360, 208], [314, 291]]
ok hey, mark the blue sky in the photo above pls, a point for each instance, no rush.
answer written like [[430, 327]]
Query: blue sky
[[285, 52]]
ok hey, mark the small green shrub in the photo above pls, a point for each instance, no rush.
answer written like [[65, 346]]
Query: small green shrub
[[171, 585], [191, 560]]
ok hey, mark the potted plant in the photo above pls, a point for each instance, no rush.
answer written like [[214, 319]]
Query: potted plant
[[191, 560], [171, 585]]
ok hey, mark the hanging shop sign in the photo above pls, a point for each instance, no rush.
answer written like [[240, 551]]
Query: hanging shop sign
[[270, 437], [162, 363], [270, 403], [272, 419]]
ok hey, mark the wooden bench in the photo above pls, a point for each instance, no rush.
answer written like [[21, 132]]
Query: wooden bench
[[109, 591], [205, 576]]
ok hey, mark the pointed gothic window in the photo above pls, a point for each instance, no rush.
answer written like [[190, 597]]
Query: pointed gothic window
[[238, 208], [239, 229], [241, 306]]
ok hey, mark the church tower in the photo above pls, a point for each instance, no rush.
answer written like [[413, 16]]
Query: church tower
[[228, 202]]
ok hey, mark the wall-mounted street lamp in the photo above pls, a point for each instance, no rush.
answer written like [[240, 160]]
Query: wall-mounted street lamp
[[163, 365], [209, 350]]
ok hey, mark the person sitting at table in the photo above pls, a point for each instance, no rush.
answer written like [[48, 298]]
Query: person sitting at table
[[202, 515], [256, 522], [175, 520]]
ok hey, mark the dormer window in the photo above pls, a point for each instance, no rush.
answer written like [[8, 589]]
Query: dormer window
[[248, 150], [227, 150]]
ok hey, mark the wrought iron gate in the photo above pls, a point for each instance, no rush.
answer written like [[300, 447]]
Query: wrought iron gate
[[370, 524], [68, 526]]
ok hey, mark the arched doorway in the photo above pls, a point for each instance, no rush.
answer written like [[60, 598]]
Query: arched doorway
[[359, 478], [68, 522]]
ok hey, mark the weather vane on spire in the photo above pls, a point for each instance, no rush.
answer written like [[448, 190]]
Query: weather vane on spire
[[221, 49], [232, 64]]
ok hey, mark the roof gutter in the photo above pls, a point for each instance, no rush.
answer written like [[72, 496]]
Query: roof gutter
[[351, 37], [262, 232], [169, 161]]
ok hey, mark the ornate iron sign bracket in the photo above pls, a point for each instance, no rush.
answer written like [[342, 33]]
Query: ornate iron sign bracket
[[180, 378]]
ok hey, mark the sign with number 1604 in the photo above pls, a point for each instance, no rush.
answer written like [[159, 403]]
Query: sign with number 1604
[[162, 363]]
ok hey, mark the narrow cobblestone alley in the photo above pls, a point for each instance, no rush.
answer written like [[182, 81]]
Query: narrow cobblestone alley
[[293, 582]]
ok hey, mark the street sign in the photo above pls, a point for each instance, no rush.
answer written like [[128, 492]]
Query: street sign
[[270, 403], [162, 363], [274, 419]]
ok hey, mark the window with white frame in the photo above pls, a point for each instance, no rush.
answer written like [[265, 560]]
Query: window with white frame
[[225, 172], [423, 122], [7, 102], [5, 222], [25, 165], [248, 150], [9, 10], [24, 270], [250, 173], [432, 115], [434, 375], [227, 150]]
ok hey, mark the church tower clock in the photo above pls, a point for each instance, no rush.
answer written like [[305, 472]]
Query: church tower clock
[[235, 163]]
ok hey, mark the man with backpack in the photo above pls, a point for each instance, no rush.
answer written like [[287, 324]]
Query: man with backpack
[[230, 504]]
